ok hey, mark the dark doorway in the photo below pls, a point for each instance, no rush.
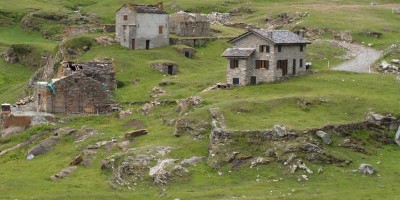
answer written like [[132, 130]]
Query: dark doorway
[[170, 69], [253, 80], [235, 81], [187, 54], [133, 44], [147, 44], [283, 65]]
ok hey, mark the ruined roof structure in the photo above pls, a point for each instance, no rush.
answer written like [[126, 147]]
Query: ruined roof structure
[[101, 71], [238, 52], [140, 8], [275, 36]]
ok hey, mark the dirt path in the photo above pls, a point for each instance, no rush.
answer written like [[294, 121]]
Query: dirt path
[[362, 58]]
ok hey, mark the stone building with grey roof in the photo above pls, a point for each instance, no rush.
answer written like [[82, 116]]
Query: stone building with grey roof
[[142, 26], [265, 56]]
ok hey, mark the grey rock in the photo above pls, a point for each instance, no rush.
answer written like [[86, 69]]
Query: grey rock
[[280, 130], [11, 131], [366, 169], [192, 161], [397, 137], [44, 146], [166, 170], [64, 173], [324, 136], [30, 157], [86, 48]]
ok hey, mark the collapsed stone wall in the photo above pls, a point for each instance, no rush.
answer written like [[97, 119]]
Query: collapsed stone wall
[[71, 31]]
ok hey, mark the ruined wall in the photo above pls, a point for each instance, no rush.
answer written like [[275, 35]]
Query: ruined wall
[[190, 42], [103, 72], [71, 31], [163, 68], [189, 24], [76, 94]]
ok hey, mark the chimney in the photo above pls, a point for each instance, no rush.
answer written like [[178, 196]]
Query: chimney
[[301, 34], [160, 5]]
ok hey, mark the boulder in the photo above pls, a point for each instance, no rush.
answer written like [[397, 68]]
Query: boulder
[[397, 137], [366, 169], [124, 114], [11, 131], [44, 146], [146, 108], [133, 134], [64, 173], [86, 48], [260, 161], [395, 61], [166, 170], [324, 136], [77, 160], [280, 130], [192, 161]]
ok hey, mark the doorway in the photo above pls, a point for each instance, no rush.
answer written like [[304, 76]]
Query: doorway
[[147, 44], [170, 69], [253, 80]]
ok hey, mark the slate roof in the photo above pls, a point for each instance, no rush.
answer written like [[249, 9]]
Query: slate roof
[[275, 36], [140, 8], [238, 52]]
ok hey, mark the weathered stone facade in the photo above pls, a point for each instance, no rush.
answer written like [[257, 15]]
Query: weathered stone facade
[[265, 56], [189, 24], [142, 26], [84, 87]]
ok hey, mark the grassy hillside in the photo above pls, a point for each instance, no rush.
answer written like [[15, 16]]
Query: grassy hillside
[[320, 98]]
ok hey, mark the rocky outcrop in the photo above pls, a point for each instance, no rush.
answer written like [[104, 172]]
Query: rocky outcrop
[[366, 169], [63, 173], [43, 147], [186, 104], [324, 136]]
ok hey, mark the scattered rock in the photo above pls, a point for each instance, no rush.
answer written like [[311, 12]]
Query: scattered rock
[[30, 157], [86, 48], [44, 146], [280, 130], [192, 161], [12, 130], [157, 92], [64, 173], [324, 136], [366, 169], [146, 108], [133, 134], [397, 137], [77, 160], [260, 161], [305, 177], [185, 104], [125, 113], [105, 40], [124, 145], [160, 173]]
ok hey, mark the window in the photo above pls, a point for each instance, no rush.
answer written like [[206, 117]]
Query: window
[[301, 47], [279, 48], [125, 17], [160, 30], [235, 81], [262, 64], [234, 63], [301, 63], [264, 48]]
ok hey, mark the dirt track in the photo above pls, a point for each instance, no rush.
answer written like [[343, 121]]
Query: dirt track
[[363, 58]]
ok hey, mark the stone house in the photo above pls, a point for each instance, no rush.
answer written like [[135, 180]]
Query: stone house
[[265, 56], [189, 24], [142, 26], [80, 88]]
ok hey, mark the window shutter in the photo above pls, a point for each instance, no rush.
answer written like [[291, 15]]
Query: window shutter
[[232, 64], [267, 64], [160, 29], [267, 49], [261, 48]]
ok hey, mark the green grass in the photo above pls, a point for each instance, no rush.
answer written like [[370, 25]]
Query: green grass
[[336, 97]]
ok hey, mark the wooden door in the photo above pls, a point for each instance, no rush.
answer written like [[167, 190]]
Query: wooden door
[[147, 44]]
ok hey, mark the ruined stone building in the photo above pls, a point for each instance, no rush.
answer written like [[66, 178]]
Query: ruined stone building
[[265, 56], [84, 87], [189, 24], [142, 26]]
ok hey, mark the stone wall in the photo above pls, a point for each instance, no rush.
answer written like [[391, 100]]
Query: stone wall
[[101, 71], [163, 67], [189, 24], [71, 31], [75, 94], [288, 52], [190, 41]]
